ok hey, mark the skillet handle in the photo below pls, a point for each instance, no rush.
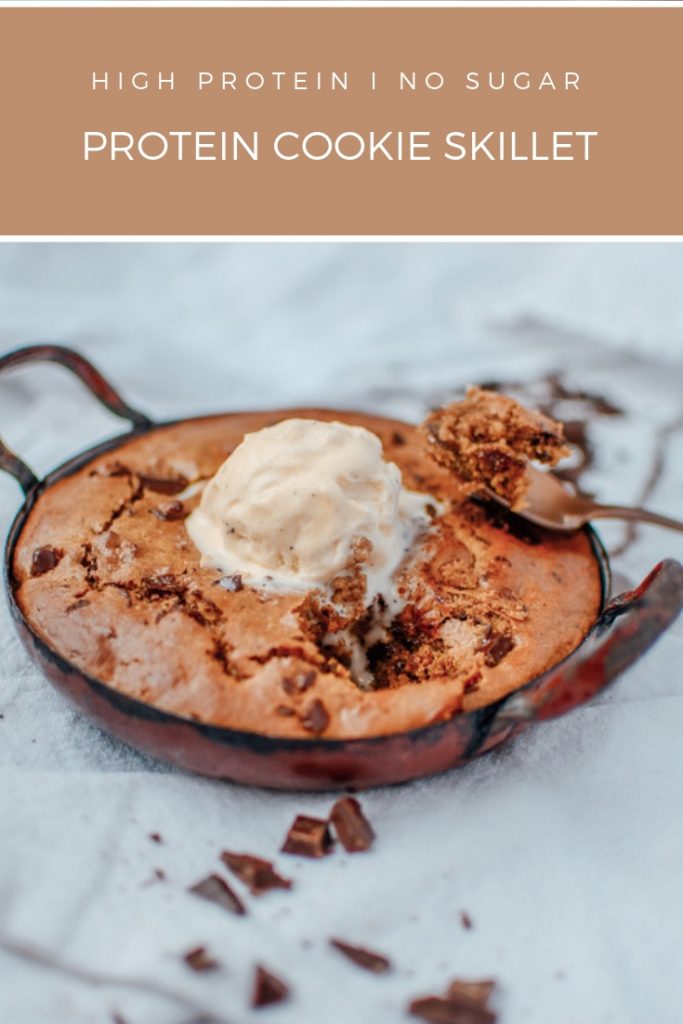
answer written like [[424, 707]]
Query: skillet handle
[[93, 380], [628, 626]]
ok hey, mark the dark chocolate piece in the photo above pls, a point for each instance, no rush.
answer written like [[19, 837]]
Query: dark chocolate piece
[[352, 827], [162, 585], [267, 989], [45, 559], [316, 718], [308, 837], [465, 1002], [161, 485], [365, 958], [217, 891], [170, 511], [437, 1010], [258, 875], [200, 960], [496, 647]]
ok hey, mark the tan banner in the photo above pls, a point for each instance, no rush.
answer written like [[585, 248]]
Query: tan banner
[[340, 121]]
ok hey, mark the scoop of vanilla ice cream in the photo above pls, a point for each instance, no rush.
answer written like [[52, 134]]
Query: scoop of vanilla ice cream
[[289, 505]]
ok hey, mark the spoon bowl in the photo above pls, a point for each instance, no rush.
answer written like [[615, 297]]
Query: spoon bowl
[[557, 505]]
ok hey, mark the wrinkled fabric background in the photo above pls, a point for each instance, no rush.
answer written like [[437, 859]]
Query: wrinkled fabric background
[[565, 848]]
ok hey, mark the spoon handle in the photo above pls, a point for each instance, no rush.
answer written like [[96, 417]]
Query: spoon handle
[[640, 515]]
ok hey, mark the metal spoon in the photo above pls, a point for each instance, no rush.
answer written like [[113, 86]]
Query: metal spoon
[[555, 504]]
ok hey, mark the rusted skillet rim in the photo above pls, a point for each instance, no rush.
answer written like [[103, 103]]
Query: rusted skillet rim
[[490, 725]]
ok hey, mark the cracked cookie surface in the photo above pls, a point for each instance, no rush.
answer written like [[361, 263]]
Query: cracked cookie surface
[[106, 574]]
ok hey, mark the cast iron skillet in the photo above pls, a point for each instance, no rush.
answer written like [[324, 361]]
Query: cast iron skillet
[[626, 627]]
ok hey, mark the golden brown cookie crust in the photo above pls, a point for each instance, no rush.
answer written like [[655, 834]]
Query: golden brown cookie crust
[[125, 599]]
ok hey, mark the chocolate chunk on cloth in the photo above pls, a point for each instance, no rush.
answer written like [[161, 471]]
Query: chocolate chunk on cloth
[[308, 837], [200, 960], [436, 1010], [217, 891], [365, 958], [258, 875], [267, 988], [465, 1002], [352, 827]]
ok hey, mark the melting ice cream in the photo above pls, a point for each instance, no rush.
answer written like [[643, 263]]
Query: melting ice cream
[[298, 503]]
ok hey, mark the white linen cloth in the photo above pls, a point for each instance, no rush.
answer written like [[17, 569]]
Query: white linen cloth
[[565, 848]]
